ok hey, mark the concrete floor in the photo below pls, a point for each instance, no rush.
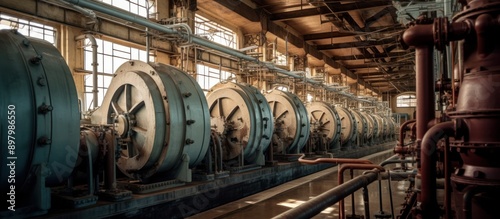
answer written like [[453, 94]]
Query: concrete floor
[[274, 201]]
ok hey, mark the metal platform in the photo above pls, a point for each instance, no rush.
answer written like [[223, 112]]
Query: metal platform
[[196, 197]]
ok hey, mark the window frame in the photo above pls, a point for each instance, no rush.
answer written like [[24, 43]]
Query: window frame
[[410, 100]]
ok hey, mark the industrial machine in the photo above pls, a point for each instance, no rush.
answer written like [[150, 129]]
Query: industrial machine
[[291, 122], [242, 118], [457, 173], [160, 116], [155, 126], [362, 127], [325, 128], [348, 134], [40, 124], [470, 140]]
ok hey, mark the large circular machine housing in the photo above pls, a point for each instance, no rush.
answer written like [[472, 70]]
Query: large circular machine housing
[[40, 118], [242, 116], [349, 126], [160, 114], [325, 123], [291, 122]]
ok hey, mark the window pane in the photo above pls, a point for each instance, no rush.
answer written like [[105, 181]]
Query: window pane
[[406, 100], [214, 32], [28, 28], [139, 7], [110, 56], [207, 77]]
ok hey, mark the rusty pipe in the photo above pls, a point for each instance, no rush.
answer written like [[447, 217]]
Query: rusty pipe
[[351, 166], [328, 198], [366, 202], [419, 35], [429, 206], [402, 131], [333, 160], [467, 201], [425, 90], [400, 147], [447, 179]]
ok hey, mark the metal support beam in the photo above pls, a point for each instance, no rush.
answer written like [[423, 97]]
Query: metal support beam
[[394, 63], [371, 20], [242, 9], [325, 10], [357, 44], [371, 56], [327, 35]]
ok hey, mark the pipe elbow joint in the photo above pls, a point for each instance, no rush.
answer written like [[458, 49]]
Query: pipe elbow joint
[[418, 35]]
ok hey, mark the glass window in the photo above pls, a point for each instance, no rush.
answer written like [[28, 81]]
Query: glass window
[[406, 100], [28, 28], [214, 32], [139, 7], [110, 56], [207, 77]]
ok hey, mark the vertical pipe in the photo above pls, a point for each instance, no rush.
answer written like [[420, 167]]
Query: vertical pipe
[[353, 210], [94, 67], [447, 179], [390, 192], [467, 201], [110, 179], [366, 201], [424, 91], [428, 197]]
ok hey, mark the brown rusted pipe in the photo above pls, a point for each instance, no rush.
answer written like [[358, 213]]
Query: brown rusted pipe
[[467, 200], [428, 198], [425, 90], [447, 180], [351, 166], [333, 160], [418, 35], [402, 131]]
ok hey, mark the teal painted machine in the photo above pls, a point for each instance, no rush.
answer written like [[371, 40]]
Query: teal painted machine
[[39, 125]]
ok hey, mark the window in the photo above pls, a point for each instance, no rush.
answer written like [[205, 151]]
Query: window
[[139, 7], [28, 28], [406, 100], [280, 58], [214, 32], [207, 77], [110, 56]]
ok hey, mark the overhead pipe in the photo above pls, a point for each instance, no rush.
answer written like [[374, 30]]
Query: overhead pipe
[[87, 13], [110, 10], [94, 45]]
